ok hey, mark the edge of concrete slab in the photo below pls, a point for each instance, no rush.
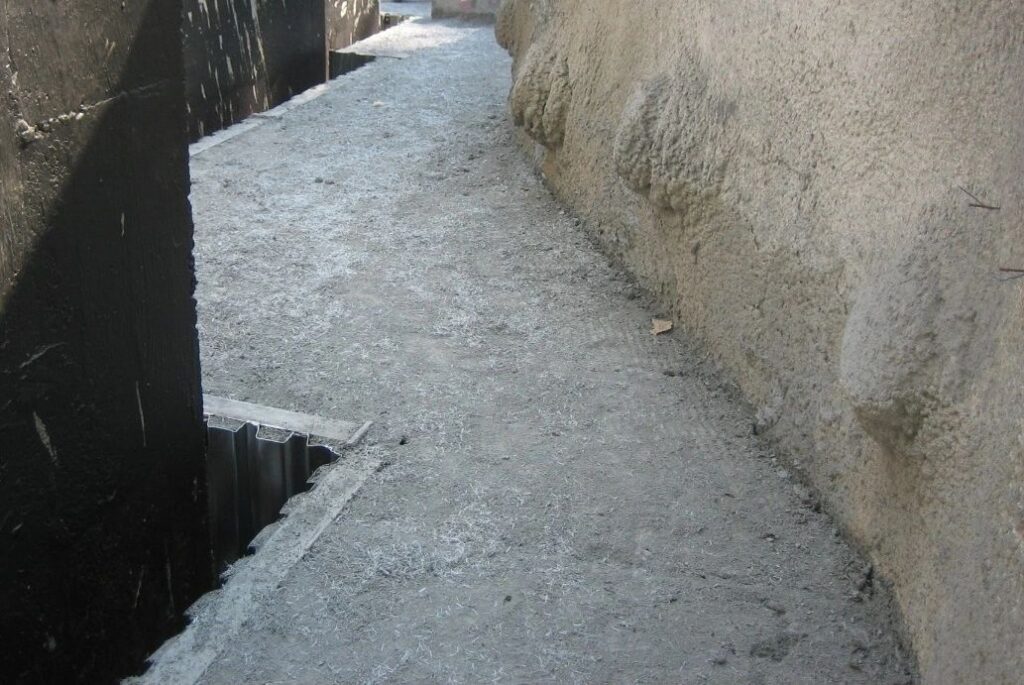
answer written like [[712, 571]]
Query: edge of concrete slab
[[216, 619], [345, 432]]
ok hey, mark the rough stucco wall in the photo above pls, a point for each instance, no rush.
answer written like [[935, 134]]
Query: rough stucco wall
[[786, 176], [349, 21], [103, 537], [246, 56]]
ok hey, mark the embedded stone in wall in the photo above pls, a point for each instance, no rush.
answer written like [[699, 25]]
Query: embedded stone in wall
[[911, 341], [673, 141], [542, 93]]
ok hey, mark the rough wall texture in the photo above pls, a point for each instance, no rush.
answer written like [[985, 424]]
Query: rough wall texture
[[826, 192], [103, 537], [246, 56], [350, 21]]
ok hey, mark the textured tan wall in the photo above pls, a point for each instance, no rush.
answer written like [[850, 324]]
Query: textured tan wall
[[787, 177]]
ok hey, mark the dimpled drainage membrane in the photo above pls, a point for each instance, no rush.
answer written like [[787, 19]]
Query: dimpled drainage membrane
[[257, 458]]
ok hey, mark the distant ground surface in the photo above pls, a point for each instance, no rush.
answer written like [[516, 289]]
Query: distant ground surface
[[568, 498], [416, 9]]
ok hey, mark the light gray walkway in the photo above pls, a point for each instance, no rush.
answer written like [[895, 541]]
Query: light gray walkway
[[566, 498]]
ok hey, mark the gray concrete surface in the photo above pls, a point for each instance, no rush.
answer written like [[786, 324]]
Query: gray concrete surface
[[562, 497]]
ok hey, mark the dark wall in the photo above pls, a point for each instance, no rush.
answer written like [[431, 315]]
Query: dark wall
[[246, 56], [103, 538], [349, 21]]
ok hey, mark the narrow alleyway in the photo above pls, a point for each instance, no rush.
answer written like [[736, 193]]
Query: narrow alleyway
[[563, 497]]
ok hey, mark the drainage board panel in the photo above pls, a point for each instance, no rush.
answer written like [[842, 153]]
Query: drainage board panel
[[257, 458], [250, 477]]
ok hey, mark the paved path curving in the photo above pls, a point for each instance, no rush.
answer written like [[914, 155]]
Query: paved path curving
[[563, 498]]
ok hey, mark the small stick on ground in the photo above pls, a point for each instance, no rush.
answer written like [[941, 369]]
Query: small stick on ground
[[978, 204], [1012, 273]]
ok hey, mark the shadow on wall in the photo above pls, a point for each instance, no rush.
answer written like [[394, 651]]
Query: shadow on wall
[[103, 536], [350, 21], [247, 56]]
